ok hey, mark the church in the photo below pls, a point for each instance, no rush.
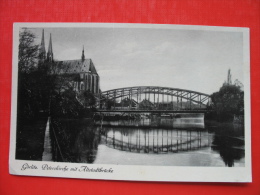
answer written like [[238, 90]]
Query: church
[[83, 69]]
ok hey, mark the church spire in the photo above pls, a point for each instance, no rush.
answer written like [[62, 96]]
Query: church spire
[[42, 52], [229, 81], [83, 56], [50, 53]]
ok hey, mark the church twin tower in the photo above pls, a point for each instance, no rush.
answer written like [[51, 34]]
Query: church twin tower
[[42, 52], [82, 70]]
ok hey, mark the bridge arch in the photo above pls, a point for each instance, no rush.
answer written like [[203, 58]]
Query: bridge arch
[[154, 97]]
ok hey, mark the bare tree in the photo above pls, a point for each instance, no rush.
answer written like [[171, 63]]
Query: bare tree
[[28, 51]]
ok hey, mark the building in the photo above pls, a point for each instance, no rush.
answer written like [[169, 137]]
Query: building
[[237, 83], [229, 80], [81, 72]]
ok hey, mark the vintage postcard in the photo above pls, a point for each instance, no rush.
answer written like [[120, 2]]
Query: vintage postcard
[[143, 102]]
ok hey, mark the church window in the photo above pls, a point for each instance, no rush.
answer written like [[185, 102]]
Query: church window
[[89, 82], [82, 86], [93, 84], [97, 84]]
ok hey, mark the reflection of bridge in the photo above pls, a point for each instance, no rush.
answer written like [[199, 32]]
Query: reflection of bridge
[[157, 141], [153, 98]]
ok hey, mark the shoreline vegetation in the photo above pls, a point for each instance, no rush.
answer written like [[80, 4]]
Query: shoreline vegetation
[[72, 137]]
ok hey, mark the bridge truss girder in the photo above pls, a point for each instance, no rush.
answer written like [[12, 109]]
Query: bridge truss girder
[[151, 92]]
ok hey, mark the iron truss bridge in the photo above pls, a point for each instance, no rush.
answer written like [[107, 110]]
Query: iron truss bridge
[[153, 98]]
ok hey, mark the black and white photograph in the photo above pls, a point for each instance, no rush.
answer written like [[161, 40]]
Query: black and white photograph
[[144, 102]]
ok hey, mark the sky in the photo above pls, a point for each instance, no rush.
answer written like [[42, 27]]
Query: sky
[[195, 60]]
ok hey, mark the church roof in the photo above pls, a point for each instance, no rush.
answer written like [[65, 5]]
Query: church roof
[[76, 66]]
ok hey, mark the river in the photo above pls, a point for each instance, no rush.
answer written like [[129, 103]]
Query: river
[[159, 141]]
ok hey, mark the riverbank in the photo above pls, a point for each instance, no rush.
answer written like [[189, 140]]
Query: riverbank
[[72, 137], [30, 139]]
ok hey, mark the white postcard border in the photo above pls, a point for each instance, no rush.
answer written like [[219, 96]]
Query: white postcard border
[[129, 172]]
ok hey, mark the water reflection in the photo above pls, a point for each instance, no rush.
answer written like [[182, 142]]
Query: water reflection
[[86, 146], [154, 140], [159, 141], [74, 140], [228, 141]]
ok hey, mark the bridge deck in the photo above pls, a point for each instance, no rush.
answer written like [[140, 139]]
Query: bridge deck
[[153, 111]]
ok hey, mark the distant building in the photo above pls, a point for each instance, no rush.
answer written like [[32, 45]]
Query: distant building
[[83, 71], [146, 105], [237, 83], [229, 79]]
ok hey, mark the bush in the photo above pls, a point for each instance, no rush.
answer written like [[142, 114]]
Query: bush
[[228, 102]]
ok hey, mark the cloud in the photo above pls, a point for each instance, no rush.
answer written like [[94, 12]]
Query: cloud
[[125, 47], [163, 48], [67, 54]]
